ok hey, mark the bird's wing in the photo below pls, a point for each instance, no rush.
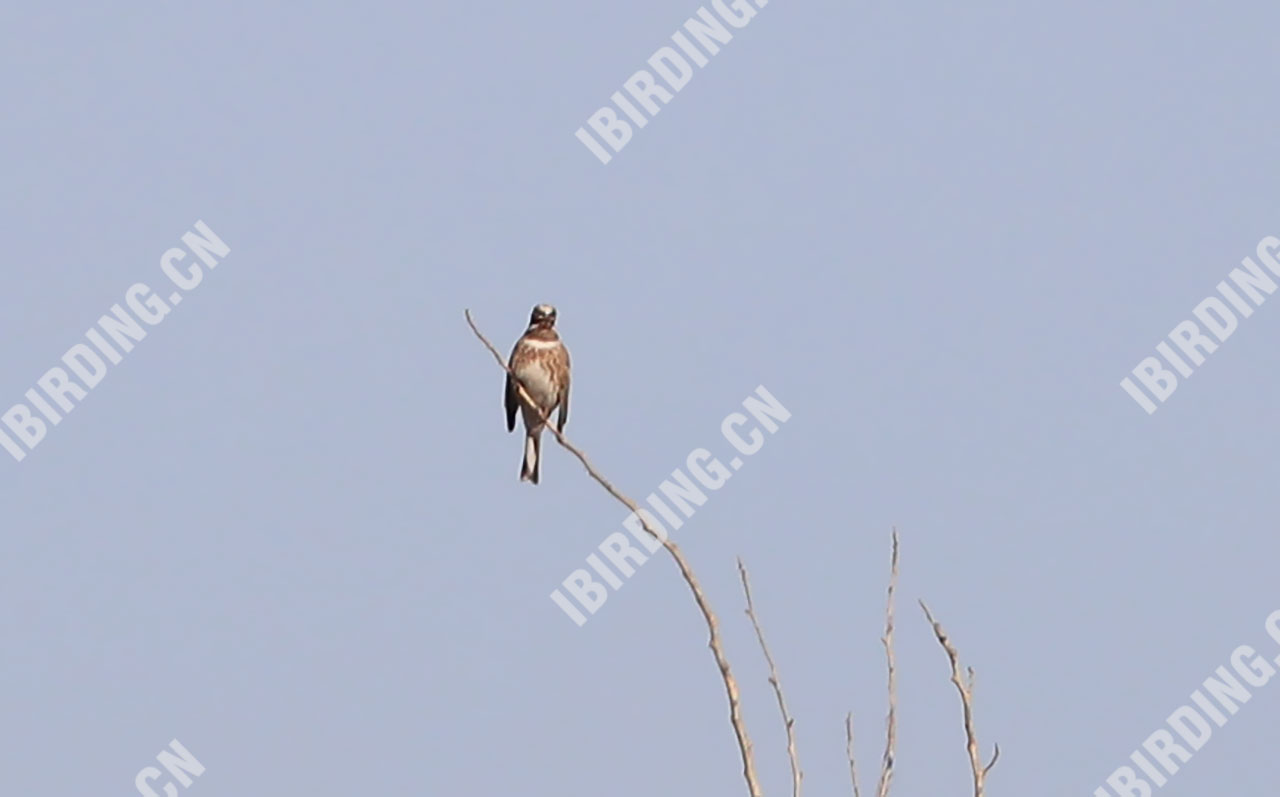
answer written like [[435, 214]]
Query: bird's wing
[[511, 404], [563, 417]]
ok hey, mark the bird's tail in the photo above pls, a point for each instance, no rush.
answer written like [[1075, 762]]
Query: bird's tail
[[532, 456]]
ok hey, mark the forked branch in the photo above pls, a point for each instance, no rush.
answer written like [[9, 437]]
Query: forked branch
[[964, 685]]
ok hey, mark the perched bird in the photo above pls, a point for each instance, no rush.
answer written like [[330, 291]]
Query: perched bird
[[541, 362]]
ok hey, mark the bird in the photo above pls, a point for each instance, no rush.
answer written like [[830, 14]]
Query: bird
[[540, 361]]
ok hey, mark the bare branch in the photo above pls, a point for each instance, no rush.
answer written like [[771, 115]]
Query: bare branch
[[891, 733], [787, 720], [848, 749], [965, 687], [717, 647]]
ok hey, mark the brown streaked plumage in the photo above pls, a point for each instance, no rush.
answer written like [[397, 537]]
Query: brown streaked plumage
[[541, 362]]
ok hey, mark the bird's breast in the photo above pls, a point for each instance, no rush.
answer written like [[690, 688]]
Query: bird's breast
[[538, 379]]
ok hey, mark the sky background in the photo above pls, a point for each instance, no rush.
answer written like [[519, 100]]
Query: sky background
[[287, 530]]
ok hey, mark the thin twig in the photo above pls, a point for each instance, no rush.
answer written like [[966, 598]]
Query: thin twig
[[717, 647], [848, 749], [891, 732], [787, 720], [994, 758], [965, 687]]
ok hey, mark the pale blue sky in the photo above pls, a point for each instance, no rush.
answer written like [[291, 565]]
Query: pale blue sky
[[287, 530]]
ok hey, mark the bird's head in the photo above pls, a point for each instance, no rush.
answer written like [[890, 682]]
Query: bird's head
[[544, 315]]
